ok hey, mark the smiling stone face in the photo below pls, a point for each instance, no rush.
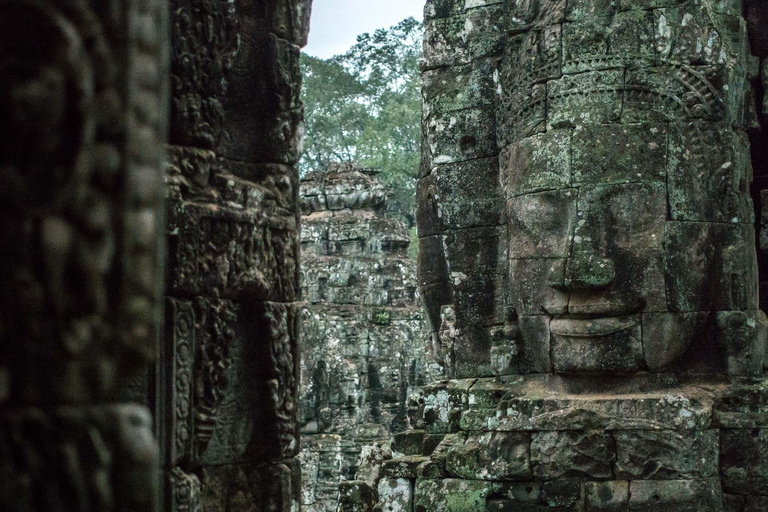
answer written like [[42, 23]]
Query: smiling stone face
[[602, 222], [629, 222]]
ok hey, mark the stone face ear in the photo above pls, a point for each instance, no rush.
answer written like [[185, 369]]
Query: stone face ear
[[742, 336]]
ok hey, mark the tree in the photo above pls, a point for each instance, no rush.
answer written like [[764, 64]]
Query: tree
[[365, 106]]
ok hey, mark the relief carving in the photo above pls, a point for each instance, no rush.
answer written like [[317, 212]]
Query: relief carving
[[215, 337], [205, 41], [68, 296]]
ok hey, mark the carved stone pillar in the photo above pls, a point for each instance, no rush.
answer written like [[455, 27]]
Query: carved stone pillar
[[228, 374], [82, 95]]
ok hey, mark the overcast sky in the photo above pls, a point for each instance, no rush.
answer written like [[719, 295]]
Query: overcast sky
[[336, 23]]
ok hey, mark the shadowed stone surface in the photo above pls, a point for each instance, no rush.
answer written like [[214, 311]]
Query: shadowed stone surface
[[228, 378], [83, 91]]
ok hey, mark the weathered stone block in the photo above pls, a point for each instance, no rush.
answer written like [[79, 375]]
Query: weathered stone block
[[540, 403], [680, 341], [734, 503], [666, 454], [744, 461], [245, 134], [584, 99], [231, 253], [251, 487], [530, 293], [408, 443], [468, 194], [459, 136], [741, 405], [537, 163], [449, 89], [403, 467], [491, 456], [523, 111], [652, 94], [690, 261], [451, 495], [627, 153], [461, 38], [608, 41], [708, 170], [589, 454], [395, 495], [541, 225], [612, 496], [477, 260], [588, 9], [526, 15], [690, 35], [742, 336], [534, 346], [443, 404], [356, 496], [531, 57], [443, 8], [756, 503], [677, 495], [612, 345]]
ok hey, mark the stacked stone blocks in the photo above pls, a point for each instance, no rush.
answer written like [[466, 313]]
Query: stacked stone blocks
[[362, 327], [227, 394]]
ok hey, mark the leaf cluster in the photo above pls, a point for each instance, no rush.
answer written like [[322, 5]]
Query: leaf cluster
[[364, 106]]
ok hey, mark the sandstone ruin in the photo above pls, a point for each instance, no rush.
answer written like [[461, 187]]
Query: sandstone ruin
[[588, 260], [592, 243], [362, 329]]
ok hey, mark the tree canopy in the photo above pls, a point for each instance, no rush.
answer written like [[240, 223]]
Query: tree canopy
[[365, 106]]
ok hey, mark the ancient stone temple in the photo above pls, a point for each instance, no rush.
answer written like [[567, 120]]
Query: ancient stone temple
[[362, 342], [588, 260]]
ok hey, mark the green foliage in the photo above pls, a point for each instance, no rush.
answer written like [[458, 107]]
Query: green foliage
[[365, 106], [382, 318]]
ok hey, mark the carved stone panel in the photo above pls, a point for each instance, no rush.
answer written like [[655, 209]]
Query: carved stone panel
[[83, 90], [80, 167]]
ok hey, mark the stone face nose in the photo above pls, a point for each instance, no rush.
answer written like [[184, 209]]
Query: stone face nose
[[582, 271]]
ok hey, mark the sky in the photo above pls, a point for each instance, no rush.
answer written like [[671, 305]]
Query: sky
[[335, 24]]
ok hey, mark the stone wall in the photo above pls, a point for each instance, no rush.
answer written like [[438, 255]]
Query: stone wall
[[588, 261], [362, 328], [82, 89], [227, 381]]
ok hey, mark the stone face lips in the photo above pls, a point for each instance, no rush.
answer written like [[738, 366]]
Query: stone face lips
[[363, 342]]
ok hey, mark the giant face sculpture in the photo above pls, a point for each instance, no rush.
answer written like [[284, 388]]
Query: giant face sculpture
[[626, 175]]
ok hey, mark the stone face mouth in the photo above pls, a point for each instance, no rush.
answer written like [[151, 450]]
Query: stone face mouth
[[591, 327]]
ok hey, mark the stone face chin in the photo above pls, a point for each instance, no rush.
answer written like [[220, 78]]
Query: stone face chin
[[603, 345]]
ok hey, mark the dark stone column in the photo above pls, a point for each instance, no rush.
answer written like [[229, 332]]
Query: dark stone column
[[228, 377], [82, 125]]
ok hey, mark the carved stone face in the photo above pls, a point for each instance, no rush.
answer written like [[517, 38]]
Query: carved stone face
[[630, 226], [602, 269]]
